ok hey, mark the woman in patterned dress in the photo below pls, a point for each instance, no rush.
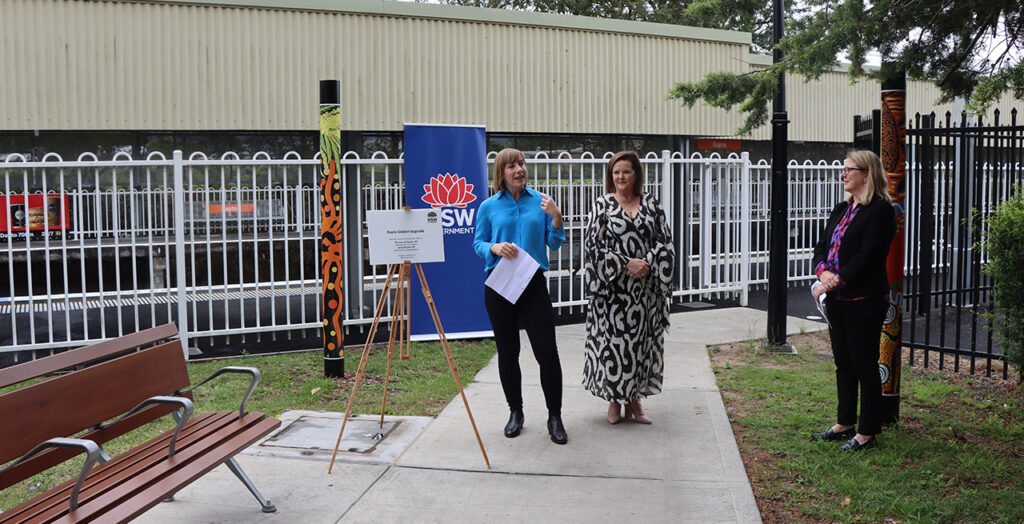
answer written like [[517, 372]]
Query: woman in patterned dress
[[627, 266]]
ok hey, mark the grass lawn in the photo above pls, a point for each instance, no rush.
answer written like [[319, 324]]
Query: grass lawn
[[955, 455], [422, 385]]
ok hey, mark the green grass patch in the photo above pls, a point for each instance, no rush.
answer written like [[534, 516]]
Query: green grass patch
[[422, 385], [953, 457]]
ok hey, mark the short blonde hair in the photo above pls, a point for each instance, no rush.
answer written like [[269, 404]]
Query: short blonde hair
[[638, 172], [504, 158], [877, 184]]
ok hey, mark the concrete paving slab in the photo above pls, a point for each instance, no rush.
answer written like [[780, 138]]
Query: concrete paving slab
[[301, 489], [686, 364], [422, 495], [721, 326], [690, 439]]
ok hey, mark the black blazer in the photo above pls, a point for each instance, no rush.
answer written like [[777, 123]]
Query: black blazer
[[863, 249]]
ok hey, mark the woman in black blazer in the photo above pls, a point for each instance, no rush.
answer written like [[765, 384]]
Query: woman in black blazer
[[849, 260]]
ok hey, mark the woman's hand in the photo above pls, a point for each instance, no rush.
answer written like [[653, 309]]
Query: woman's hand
[[505, 249], [829, 280], [548, 206], [637, 268]]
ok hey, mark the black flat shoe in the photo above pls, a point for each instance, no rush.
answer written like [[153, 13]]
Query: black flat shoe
[[557, 430], [828, 434], [515, 424], [853, 445]]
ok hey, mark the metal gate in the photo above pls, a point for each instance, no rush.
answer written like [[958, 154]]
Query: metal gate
[[958, 172]]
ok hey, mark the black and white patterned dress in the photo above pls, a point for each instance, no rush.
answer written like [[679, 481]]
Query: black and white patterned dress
[[627, 317]]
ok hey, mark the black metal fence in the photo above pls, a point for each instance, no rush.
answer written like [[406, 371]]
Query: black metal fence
[[958, 172]]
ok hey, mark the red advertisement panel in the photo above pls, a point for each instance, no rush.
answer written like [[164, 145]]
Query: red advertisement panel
[[21, 215]]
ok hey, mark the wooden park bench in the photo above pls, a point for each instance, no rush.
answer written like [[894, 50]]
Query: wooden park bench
[[101, 392]]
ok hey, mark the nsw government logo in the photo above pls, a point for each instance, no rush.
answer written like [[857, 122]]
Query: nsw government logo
[[451, 193]]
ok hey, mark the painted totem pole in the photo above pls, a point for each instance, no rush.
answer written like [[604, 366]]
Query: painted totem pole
[[331, 248], [892, 153]]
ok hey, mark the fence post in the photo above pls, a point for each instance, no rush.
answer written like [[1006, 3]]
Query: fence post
[[705, 225], [179, 248], [745, 205], [926, 212], [666, 184]]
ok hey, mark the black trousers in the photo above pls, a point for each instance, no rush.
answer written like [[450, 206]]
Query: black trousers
[[534, 310], [855, 332]]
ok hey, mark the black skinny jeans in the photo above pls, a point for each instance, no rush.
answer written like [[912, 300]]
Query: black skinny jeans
[[534, 310], [855, 332]]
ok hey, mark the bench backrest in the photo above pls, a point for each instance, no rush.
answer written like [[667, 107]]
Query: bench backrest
[[66, 405]]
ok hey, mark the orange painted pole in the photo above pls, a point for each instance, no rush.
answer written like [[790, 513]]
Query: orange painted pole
[[331, 219]]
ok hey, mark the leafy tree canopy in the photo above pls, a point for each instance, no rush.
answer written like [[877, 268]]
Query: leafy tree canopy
[[968, 48]]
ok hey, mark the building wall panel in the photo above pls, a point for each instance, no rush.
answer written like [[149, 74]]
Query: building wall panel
[[114, 65], [105, 65]]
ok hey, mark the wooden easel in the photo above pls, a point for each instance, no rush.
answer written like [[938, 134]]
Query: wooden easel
[[400, 313]]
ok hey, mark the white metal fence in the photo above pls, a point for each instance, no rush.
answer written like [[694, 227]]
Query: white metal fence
[[229, 246]]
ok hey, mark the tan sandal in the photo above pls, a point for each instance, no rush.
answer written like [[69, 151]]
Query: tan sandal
[[614, 413], [637, 411]]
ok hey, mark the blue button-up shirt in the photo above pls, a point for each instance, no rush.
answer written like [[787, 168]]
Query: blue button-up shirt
[[502, 218]]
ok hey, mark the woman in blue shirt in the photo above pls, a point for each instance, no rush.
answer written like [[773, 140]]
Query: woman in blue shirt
[[518, 221]]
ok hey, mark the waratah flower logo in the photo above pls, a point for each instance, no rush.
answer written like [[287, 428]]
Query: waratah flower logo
[[448, 190]]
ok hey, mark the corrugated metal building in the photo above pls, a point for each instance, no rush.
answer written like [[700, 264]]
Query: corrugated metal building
[[210, 67]]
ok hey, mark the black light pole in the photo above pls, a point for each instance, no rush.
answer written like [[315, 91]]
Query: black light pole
[[778, 240]]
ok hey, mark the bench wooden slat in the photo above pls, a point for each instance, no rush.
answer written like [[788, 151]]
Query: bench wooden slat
[[130, 499], [54, 456], [84, 355], [77, 401], [55, 501], [138, 468]]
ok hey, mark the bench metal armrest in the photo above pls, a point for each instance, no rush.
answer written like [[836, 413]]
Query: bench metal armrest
[[232, 369], [186, 411], [93, 452]]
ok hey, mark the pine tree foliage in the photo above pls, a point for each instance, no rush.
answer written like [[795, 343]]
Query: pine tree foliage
[[968, 48]]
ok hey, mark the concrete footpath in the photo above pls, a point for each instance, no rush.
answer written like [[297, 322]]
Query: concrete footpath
[[685, 467]]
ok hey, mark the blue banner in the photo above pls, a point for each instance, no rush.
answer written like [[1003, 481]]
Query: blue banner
[[446, 169]]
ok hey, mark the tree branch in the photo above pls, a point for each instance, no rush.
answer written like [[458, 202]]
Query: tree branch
[[967, 52]]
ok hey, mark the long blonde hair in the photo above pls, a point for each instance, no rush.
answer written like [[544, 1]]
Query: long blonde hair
[[877, 184]]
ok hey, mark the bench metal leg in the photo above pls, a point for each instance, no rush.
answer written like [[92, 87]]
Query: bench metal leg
[[267, 506]]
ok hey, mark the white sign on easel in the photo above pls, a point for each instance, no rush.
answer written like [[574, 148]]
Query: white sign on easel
[[409, 235]]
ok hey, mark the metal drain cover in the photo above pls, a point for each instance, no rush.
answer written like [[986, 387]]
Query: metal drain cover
[[362, 435]]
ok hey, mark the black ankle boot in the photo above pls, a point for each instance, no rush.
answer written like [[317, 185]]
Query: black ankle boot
[[515, 424], [557, 430]]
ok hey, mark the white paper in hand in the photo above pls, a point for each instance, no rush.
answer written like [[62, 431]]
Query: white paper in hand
[[510, 277], [820, 303]]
